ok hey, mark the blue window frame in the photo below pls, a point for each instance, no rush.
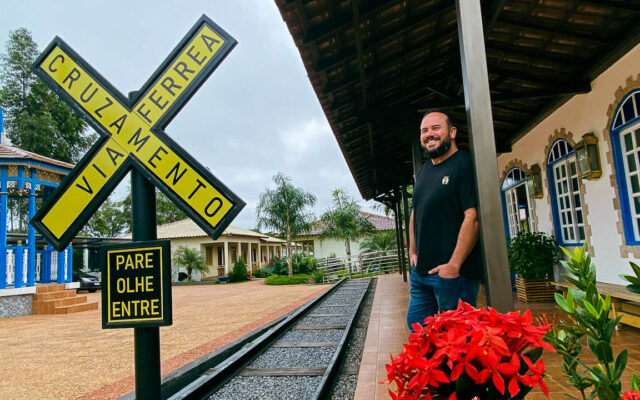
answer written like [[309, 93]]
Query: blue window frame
[[625, 140], [516, 208], [564, 189]]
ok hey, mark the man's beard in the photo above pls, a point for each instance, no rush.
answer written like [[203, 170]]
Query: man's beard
[[445, 145]]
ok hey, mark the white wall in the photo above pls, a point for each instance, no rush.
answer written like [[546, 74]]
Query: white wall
[[585, 113], [323, 248]]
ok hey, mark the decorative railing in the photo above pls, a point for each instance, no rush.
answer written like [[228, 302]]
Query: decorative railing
[[46, 267], [366, 264]]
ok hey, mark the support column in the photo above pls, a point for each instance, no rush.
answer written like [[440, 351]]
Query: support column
[[416, 156], [396, 218], [60, 266], [46, 278], [85, 259], [249, 267], [482, 141], [226, 258], [69, 264], [17, 265], [31, 233], [3, 227], [407, 214], [260, 255]]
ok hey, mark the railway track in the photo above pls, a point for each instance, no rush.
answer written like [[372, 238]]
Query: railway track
[[299, 358]]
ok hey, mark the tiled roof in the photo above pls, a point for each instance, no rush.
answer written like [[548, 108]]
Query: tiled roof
[[7, 151], [380, 223], [186, 228]]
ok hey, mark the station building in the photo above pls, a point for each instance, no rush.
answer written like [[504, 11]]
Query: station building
[[255, 249], [319, 247], [545, 92], [596, 204]]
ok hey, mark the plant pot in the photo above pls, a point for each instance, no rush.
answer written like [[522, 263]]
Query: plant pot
[[530, 291]]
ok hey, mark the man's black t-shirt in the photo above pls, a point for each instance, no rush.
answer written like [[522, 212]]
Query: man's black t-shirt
[[441, 195]]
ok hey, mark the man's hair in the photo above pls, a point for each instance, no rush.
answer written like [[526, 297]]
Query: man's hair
[[446, 116]]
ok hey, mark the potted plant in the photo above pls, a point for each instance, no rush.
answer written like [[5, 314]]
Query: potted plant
[[532, 257], [470, 353]]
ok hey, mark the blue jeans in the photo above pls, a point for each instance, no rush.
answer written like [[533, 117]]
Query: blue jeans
[[432, 293]]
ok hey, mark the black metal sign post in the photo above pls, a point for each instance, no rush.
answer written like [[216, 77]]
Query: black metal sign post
[[132, 139], [146, 340]]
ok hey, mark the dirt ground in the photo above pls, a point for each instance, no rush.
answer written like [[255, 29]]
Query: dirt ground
[[72, 357]]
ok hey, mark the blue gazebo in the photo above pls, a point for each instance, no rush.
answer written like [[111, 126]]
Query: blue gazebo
[[27, 176]]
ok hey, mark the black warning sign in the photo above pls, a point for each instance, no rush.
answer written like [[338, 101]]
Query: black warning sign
[[136, 285]]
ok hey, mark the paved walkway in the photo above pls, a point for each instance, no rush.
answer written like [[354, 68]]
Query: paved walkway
[[387, 332], [71, 356]]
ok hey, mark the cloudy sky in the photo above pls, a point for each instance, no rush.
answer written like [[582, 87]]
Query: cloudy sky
[[255, 116]]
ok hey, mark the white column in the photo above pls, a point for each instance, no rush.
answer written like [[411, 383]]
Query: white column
[[259, 255], [85, 259], [226, 257], [239, 251], [249, 268]]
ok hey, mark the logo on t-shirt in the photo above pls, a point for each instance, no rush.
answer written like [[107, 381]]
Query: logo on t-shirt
[[445, 180]]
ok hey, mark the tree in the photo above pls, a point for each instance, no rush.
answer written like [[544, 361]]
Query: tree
[[379, 241], [37, 120], [344, 221], [166, 210], [192, 260], [283, 209], [109, 221]]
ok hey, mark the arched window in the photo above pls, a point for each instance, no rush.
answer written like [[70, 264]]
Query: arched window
[[564, 188], [625, 139], [516, 204]]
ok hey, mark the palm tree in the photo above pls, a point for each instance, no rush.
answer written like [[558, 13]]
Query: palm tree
[[191, 259], [379, 241], [283, 209], [344, 221]]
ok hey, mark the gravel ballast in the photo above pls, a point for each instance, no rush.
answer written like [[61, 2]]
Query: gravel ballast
[[268, 388], [324, 321], [321, 335], [295, 357], [332, 310]]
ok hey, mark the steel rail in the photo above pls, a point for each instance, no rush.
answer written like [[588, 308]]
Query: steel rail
[[330, 377], [216, 377]]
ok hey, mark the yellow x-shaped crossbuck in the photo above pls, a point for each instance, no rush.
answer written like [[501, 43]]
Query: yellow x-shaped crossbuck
[[132, 135]]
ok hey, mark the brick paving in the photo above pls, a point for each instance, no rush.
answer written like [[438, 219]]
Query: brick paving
[[387, 332], [72, 357]]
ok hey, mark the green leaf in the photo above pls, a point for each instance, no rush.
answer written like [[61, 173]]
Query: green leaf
[[621, 363], [561, 301], [635, 267], [635, 382], [562, 335], [604, 393], [591, 309], [604, 352]]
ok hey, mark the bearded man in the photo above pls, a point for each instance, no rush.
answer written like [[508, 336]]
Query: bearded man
[[444, 254]]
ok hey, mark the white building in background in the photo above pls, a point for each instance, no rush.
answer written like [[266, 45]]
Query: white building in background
[[322, 248], [603, 211], [256, 249]]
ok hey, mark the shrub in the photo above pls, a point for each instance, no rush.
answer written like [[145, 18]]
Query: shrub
[[533, 255], [317, 276], [262, 273], [239, 272], [285, 280]]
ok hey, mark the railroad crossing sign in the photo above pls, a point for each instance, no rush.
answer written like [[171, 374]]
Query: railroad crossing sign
[[132, 136]]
